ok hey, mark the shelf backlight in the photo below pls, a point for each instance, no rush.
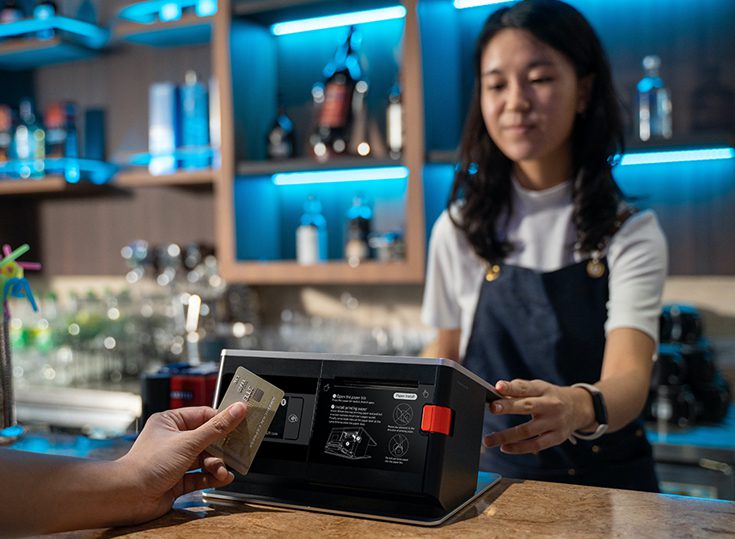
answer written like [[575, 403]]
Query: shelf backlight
[[334, 21], [462, 4], [165, 10], [93, 36], [340, 175], [677, 156]]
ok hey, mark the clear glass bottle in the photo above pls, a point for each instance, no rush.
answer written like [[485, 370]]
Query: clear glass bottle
[[394, 122], [311, 234], [654, 103], [29, 143], [334, 124], [359, 224], [280, 142]]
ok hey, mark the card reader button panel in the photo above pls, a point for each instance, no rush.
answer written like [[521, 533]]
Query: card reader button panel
[[293, 418]]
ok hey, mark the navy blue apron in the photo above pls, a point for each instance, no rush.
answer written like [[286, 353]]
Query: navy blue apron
[[550, 326]]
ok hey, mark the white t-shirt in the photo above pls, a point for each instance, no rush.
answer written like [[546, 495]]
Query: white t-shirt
[[543, 235]]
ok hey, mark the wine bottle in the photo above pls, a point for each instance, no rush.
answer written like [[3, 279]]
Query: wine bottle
[[341, 76]]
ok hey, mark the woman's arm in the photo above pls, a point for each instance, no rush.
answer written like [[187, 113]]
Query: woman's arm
[[47, 493], [557, 411], [446, 345]]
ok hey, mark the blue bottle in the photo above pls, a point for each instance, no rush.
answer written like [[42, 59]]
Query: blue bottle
[[194, 123]]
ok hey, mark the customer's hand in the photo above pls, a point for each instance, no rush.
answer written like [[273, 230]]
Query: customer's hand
[[172, 444], [555, 411]]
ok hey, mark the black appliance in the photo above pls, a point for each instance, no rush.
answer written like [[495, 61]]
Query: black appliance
[[392, 438]]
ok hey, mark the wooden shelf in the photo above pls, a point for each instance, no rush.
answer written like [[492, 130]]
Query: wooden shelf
[[17, 54], [333, 272], [184, 178], [266, 168], [189, 30], [49, 184]]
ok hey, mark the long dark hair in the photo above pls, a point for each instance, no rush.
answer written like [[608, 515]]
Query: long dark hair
[[482, 181]]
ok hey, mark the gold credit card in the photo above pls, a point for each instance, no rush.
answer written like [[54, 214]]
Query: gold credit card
[[238, 448]]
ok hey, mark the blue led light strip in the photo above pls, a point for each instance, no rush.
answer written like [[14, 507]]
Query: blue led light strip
[[677, 156], [341, 175], [462, 4], [334, 21], [92, 35], [149, 12]]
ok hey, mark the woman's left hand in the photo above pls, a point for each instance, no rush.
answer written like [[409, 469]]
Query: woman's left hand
[[555, 412]]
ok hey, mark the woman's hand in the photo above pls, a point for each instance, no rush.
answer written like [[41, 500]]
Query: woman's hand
[[555, 412], [172, 444]]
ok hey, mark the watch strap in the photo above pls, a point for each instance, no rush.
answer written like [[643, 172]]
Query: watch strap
[[600, 409]]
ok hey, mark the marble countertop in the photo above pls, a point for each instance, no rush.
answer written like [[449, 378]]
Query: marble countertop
[[510, 509]]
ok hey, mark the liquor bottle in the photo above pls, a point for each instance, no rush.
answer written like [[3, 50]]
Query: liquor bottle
[[654, 102], [341, 75], [45, 9], [311, 234], [394, 122], [29, 143], [712, 103], [280, 143], [359, 223], [54, 121], [10, 12], [6, 132], [359, 139], [194, 122]]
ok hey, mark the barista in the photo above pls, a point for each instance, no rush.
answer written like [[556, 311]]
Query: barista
[[540, 278]]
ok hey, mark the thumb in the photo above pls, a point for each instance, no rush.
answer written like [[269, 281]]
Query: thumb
[[220, 425]]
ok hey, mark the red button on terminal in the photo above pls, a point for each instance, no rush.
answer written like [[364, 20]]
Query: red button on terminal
[[437, 419]]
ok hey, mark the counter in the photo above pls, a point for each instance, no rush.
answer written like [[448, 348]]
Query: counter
[[510, 509]]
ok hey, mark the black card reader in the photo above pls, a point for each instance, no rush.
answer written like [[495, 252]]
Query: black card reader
[[394, 438]]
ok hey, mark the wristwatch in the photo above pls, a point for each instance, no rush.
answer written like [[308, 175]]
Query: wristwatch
[[598, 403]]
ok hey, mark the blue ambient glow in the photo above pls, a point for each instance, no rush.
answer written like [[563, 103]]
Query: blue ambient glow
[[92, 35], [462, 4], [73, 170], [677, 156], [206, 8], [165, 10], [341, 175], [342, 19]]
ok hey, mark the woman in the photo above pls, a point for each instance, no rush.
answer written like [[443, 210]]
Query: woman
[[540, 278]]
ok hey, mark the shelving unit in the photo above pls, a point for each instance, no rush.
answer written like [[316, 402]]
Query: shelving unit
[[252, 66]]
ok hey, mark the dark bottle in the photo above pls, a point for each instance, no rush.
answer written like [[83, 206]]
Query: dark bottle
[[712, 103], [341, 75], [280, 143], [45, 9], [359, 223]]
